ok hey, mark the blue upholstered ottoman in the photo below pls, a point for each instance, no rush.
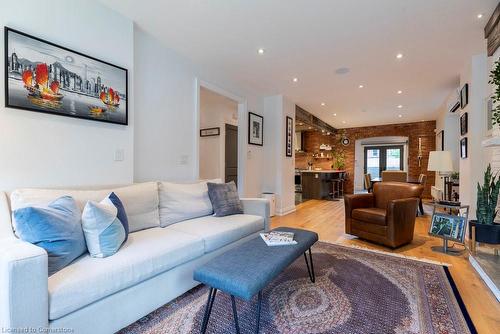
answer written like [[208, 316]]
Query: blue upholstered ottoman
[[247, 269]]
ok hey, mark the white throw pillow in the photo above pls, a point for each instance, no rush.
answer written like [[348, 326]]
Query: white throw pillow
[[183, 201], [140, 201]]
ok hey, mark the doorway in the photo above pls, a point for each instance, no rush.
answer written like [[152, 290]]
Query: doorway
[[380, 158], [231, 154]]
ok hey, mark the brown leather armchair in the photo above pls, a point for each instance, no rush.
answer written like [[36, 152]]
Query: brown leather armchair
[[386, 216]]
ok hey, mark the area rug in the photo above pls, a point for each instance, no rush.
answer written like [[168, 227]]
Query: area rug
[[356, 291]]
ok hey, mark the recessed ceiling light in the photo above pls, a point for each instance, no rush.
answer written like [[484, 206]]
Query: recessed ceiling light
[[361, 86], [479, 16], [261, 51], [300, 124], [400, 92], [400, 106], [343, 122], [334, 114], [422, 120], [363, 110], [310, 128], [295, 79], [399, 55], [342, 70], [323, 104], [400, 115]]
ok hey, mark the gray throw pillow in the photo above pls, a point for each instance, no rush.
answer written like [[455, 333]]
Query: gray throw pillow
[[224, 198]]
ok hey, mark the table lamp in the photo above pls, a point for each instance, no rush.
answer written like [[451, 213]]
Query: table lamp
[[441, 162]]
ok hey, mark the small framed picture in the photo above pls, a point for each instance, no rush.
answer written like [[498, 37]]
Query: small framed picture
[[464, 96], [209, 132], [255, 129], [440, 141], [448, 227], [463, 148], [289, 136], [464, 124]]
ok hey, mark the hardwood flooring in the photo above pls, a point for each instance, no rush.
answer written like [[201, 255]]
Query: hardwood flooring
[[327, 219]]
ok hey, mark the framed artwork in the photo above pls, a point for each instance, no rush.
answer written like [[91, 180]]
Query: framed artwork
[[255, 129], [448, 227], [440, 141], [48, 78], [463, 148], [210, 132], [464, 96], [463, 124], [289, 136]]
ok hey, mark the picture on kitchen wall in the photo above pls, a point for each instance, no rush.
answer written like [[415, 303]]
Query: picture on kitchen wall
[[289, 136], [463, 124], [464, 96], [255, 129], [44, 77], [463, 148]]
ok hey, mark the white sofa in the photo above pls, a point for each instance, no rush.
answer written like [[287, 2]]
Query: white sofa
[[153, 267]]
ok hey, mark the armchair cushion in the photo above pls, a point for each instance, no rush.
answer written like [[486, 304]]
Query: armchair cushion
[[370, 215]]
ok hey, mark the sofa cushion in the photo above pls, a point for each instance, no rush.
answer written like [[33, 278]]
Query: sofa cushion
[[140, 201], [146, 253], [183, 201], [370, 215], [225, 199], [217, 232]]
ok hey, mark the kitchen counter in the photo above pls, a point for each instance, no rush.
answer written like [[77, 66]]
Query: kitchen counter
[[316, 184]]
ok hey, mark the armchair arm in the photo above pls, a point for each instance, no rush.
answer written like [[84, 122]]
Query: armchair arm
[[356, 201], [23, 285], [401, 215], [258, 207]]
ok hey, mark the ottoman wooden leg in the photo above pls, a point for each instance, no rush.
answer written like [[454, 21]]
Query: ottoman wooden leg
[[310, 270], [208, 310]]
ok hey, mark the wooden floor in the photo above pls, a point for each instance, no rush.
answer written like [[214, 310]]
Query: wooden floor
[[327, 219]]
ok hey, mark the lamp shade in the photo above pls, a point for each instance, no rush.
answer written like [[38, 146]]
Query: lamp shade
[[440, 161]]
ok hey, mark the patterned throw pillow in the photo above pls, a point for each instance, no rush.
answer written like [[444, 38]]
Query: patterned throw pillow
[[55, 228], [105, 226], [224, 198]]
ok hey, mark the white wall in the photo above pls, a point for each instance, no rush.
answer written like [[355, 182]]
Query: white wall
[[38, 150], [215, 111], [167, 122], [280, 169]]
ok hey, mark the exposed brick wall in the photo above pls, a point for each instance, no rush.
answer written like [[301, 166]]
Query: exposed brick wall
[[424, 130]]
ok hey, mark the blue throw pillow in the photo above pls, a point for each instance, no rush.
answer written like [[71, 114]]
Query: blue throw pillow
[[104, 230], [121, 214], [55, 228]]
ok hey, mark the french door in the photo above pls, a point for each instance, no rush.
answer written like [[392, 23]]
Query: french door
[[380, 158]]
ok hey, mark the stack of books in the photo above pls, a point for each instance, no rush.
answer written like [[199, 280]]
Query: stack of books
[[277, 238]]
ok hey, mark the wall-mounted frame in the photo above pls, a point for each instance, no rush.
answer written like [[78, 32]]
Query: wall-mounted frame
[[440, 140], [464, 124], [210, 132], [48, 78], [289, 136], [464, 96], [463, 148], [255, 129]]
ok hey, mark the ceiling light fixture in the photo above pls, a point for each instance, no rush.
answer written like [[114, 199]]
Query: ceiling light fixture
[[261, 51], [400, 115], [323, 104], [400, 92], [399, 55], [479, 16], [400, 106], [295, 79], [343, 122], [335, 114], [361, 86]]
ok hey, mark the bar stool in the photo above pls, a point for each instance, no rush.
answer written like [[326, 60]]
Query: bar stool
[[338, 186]]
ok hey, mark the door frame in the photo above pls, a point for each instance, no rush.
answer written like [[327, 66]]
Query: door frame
[[242, 117], [383, 157]]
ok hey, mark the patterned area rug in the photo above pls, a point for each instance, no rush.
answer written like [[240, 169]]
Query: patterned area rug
[[356, 291]]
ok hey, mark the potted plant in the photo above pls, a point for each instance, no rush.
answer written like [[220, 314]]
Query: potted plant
[[487, 231]]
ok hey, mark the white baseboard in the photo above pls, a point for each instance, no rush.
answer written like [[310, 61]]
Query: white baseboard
[[285, 211], [485, 277]]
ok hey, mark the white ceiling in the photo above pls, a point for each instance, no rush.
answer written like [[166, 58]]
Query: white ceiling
[[311, 39]]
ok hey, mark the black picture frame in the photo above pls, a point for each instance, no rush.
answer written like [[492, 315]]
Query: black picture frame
[[289, 137], [464, 120], [210, 132], [463, 148], [464, 96], [440, 140], [255, 129], [53, 103]]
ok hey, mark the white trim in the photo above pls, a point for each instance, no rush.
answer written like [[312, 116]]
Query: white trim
[[242, 147], [285, 211], [491, 285]]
